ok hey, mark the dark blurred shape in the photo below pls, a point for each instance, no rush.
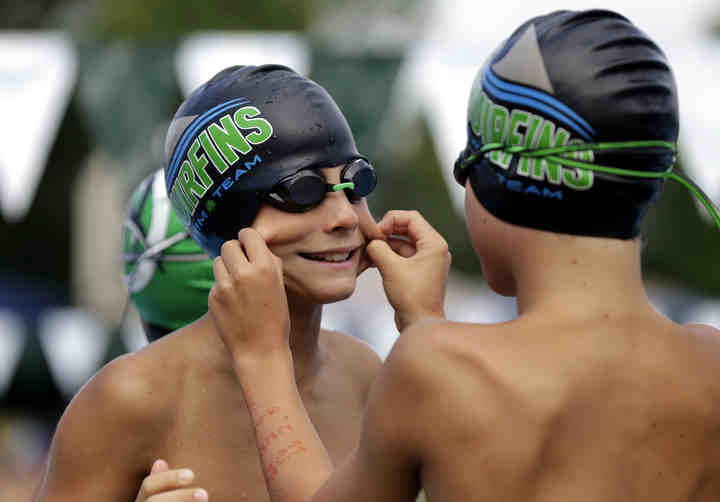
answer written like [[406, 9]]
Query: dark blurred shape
[[168, 19], [682, 245], [28, 14]]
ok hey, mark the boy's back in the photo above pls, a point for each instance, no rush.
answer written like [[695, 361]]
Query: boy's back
[[621, 409]]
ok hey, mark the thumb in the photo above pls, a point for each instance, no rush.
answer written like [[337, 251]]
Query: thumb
[[278, 266], [382, 255], [159, 466]]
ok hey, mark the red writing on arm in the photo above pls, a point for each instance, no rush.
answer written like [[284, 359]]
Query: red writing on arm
[[261, 418], [294, 448], [270, 438]]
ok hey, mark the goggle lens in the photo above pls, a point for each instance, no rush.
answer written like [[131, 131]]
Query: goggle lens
[[307, 188], [362, 175]]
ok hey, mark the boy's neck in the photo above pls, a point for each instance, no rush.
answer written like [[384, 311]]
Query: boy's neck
[[578, 276], [305, 321], [304, 340]]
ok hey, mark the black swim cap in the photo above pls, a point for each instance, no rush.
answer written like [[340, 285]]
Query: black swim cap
[[563, 79], [239, 134]]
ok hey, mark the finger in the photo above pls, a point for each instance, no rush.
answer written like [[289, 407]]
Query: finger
[[412, 225], [369, 227], [234, 257], [185, 495], [382, 255], [401, 246], [159, 466], [222, 276], [165, 481], [279, 230], [365, 262], [254, 245]]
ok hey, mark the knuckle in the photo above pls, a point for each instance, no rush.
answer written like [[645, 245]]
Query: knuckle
[[219, 293], [145, 487], [238, 276], [226, 246]]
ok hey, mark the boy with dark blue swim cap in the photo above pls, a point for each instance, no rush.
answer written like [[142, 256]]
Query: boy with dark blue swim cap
[[589, 393], [254, 146]]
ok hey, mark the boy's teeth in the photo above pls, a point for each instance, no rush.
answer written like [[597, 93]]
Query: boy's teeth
[[330, 257]]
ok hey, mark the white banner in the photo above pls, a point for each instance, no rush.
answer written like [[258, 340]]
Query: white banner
[[202, 55], [37, 76]]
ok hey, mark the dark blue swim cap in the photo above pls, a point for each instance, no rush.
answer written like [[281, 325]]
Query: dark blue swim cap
[[563, 79], [239, 134]]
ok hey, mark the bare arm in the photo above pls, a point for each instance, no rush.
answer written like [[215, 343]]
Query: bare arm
[[384, 467], [294, 460]]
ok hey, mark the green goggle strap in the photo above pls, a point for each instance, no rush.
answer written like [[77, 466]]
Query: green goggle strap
[[558, 154]]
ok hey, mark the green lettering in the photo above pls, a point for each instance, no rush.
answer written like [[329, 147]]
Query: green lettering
[[517, 118], [212, 152], [543, 166], [499, 121], [486, 121], [530, 135], [552, 169], [546, 135], [524, 166], [475, 112], [181, 203], [582, 155], [228, 139], [578, 179], [193, 190], [244, 120], [530, 140], [500, 159], [199, 163]]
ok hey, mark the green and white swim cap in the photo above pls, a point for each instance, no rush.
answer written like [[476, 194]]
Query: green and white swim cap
[[167, 275]]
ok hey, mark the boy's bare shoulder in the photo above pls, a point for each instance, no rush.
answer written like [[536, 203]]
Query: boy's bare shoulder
[[133, 388], [437, 357], [435, 382], [705, 330], [125, 403], [352, 352]]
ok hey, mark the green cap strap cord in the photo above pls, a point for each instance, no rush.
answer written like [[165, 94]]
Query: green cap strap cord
[[558, 154]]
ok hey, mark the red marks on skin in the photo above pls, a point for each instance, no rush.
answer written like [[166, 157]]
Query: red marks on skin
[[280, 456], [268, 413], [294, 448], [270, 438]]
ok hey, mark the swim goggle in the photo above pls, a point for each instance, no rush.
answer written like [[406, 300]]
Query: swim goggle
[[308, 187], [558, 155]]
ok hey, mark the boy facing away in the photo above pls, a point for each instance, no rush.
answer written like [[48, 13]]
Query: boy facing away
[[589, 394]]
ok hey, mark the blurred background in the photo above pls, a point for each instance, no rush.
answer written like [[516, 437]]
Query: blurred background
[[87, 89]]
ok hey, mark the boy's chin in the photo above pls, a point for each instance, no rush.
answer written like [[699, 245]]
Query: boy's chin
[[327, 294], [337, 293]]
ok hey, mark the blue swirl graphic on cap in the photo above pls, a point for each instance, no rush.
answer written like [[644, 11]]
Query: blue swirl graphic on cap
[[189, 133], [521, 95]]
